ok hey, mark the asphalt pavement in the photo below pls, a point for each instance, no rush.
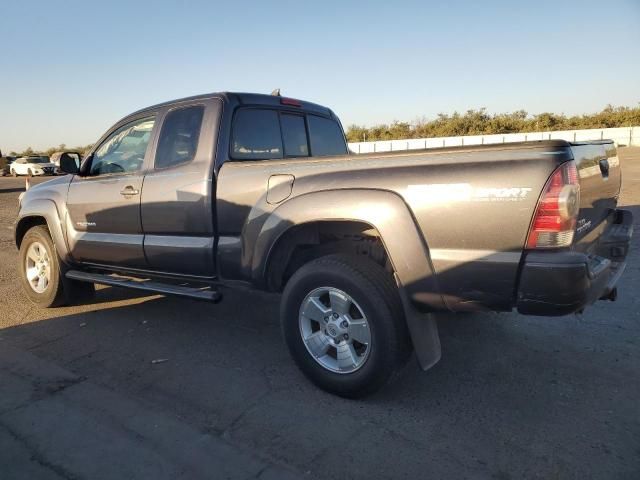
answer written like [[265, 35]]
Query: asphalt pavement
[[135, 386]]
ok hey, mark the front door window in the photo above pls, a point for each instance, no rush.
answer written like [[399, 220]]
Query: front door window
[[124, 150]]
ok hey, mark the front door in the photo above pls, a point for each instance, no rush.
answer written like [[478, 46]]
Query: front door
[[177, 208], [103, 222]]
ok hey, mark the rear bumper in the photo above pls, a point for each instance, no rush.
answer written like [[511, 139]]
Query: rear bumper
[[558, 283]]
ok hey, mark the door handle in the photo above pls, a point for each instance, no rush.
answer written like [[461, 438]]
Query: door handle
[[129, 190]]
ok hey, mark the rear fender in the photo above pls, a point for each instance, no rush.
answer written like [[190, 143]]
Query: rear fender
[[407, 251]]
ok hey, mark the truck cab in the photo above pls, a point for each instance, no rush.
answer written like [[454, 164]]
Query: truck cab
[[145, 198]]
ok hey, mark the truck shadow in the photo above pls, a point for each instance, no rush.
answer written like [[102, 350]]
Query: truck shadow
[[527, 383], [243, 333], [238, 342], [11, 190], [242, 336]]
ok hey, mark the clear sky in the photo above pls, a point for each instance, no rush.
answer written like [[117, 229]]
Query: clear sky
[[70, 69]]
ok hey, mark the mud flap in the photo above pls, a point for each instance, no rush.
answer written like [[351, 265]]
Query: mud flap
[[424, 334]]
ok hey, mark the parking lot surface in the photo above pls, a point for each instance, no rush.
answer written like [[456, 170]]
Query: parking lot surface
[[84, 395]]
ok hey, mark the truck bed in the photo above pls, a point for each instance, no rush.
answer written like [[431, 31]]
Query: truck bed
[[473, 206]]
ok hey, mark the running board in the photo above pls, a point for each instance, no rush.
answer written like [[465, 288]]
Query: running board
[[197, 293]]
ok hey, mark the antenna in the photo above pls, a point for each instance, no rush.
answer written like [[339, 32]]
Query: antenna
[[276, 92]]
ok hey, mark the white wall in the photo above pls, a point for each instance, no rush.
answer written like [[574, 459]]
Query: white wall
[[622, 136]]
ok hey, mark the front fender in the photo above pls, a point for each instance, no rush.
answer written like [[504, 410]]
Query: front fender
[[47, 209], [383, 210]]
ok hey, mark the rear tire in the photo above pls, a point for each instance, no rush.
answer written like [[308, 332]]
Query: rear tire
[[371, 295]]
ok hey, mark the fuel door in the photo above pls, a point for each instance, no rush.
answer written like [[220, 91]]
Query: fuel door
[[279, 188]]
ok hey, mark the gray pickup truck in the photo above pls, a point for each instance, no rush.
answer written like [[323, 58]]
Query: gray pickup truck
[[232, 190]]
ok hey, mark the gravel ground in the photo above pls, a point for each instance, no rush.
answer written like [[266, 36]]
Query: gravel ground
[[513, 397]]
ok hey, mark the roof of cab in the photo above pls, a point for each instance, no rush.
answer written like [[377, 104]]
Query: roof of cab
[[241, 99]]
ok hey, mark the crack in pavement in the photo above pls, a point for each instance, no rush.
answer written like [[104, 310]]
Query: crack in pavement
[[42, 390], [37, 457]]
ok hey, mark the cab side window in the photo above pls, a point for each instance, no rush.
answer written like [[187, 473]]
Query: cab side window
[[178, 141], [124, 150], [256, 135], [326, 137]]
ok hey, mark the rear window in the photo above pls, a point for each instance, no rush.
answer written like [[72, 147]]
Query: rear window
[[294, 135], [325, 137], [256, 135]]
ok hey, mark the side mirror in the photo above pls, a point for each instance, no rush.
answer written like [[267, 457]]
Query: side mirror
[[68, 164]]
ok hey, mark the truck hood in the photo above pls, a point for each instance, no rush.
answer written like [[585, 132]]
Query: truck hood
[[51, 183], [54, 189]]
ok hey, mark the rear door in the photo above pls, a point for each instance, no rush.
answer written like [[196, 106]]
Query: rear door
[[600, 177], [177, 198], [103, 223]]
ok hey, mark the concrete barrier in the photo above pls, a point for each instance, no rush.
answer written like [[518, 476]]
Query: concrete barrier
[[623, 136]]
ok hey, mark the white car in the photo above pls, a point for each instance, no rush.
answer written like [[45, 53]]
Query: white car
[[32, 166]]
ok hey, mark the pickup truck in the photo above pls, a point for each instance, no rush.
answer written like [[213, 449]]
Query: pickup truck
[[234, 190]]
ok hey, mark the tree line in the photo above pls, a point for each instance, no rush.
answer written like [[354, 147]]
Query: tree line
[[50, 151], [480, 122]]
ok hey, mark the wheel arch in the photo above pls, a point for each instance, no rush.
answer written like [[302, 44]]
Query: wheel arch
[[387, 215], [389, 220], [302, 243], [27, 223], [42, 212]]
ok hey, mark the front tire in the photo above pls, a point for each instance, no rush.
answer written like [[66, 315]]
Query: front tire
[[343, 323], [40, 268], [42, 273]]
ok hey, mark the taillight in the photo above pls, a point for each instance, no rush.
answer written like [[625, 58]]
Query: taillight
[[554, 222]]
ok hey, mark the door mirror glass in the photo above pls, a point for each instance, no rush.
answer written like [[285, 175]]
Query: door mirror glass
[[69, 164]]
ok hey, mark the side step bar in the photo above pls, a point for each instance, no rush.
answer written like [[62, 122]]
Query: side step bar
[[197, 293]]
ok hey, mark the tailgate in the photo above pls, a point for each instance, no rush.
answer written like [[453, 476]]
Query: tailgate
[[599, 172]]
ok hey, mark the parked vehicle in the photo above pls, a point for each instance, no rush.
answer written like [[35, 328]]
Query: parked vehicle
[[5, 163], [55, 159], [32, 166], [223, 190]]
